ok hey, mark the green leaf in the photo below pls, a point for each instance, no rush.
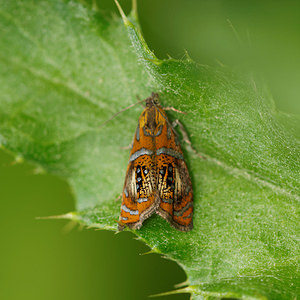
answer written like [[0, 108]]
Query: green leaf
[[66, 69]]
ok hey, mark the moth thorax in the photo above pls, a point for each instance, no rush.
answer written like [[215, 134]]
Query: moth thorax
[[151, 121], [153, 100]]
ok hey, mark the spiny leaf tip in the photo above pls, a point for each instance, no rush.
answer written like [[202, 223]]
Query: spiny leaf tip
[[125, 19]]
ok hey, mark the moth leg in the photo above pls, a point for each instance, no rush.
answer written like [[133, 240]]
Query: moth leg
[[186, 137], [174, 109], [118, 198], [128, 147]]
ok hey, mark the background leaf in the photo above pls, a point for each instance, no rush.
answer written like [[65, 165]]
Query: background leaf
[[66, 69]]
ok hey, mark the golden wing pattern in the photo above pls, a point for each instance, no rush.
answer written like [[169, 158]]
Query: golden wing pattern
[[157, 179]]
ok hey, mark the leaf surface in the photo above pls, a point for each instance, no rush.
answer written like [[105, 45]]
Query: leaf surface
[[66, 69]]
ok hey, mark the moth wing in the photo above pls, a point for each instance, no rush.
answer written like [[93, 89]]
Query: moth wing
[[176, 194], [174, 183], [139, 198]]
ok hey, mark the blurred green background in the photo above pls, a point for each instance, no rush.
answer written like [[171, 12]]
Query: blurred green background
[[47, 259]]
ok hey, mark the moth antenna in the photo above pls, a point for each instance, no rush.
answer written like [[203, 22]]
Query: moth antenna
[[122, 110], [140, 101]]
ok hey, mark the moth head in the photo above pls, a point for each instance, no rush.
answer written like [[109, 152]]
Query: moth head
[[153, 100]]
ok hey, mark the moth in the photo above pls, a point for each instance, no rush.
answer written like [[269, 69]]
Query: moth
[[157, 178]]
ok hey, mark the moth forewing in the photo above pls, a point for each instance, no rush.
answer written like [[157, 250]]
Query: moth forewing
[[157, 178]]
